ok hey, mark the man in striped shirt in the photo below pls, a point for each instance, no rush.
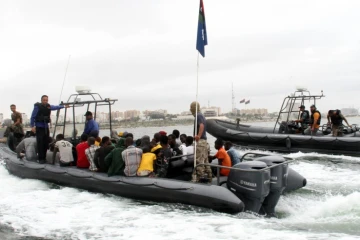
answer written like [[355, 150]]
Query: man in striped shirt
[[90, 153], [132, 157]]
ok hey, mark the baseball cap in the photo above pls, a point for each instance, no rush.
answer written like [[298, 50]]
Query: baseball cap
[[313, 106], [163, 133], [88, 113], [302, 106]]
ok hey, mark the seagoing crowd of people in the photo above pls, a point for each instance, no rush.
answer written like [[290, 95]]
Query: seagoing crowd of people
[[122, 154]]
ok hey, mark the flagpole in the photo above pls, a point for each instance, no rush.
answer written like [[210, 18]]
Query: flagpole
[[196, 107]]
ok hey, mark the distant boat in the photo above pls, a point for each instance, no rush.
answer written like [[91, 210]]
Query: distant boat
[[282, 137]]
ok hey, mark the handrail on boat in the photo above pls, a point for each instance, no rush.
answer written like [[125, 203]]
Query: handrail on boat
[[218, 167], [262, 154]]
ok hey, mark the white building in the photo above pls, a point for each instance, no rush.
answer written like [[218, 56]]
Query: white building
[[211, 111], [25, 118]]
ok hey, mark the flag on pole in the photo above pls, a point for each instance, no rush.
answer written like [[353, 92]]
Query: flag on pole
[[242, 101], [201, 40], [247, 102]]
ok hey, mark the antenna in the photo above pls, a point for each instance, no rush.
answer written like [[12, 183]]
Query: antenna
[[67, 66]]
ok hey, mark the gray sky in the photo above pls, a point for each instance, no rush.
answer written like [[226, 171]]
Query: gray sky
[[143, 52]]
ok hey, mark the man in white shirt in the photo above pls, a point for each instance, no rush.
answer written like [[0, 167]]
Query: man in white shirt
[[65, 149], [189, 149]]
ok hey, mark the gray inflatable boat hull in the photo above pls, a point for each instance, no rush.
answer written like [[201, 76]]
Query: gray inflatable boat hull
[[262, 138], [218, 198], [152, 189]]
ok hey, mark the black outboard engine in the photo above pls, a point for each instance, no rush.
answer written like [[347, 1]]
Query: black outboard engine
[[278, 182], [250, 186]]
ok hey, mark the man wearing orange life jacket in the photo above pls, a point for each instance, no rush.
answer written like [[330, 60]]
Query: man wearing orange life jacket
[[315, 121]]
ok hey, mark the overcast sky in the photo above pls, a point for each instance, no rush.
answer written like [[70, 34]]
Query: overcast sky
[[143, 52]]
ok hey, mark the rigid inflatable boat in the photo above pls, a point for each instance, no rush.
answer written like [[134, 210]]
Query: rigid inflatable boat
[[283, 137], [254, 185]]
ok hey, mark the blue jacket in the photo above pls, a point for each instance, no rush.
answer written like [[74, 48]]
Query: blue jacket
[[35, 112], [90, 126]]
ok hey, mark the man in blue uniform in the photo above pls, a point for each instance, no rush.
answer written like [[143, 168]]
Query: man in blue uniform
[[91, 127], [39, 122]]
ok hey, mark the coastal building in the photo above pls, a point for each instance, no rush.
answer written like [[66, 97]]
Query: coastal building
[[25, 118], [253, 111], [185, 113], [349, 111], [80, 118], [211, 111], [129, 114], [117, 115], [1, 118], [102, 117], [147, 113]]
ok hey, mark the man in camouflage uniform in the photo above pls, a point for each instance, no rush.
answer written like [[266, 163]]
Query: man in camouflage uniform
[[202, 173], [17, 127]]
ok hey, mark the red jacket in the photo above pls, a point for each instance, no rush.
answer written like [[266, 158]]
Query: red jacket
[[82, 161]]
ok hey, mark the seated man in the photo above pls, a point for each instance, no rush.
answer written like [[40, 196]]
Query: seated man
[[189, 148], [155, 147], [335, 119], [174, 146], [101, 153], [29, 146], [222, 156], [65, 151], [114, 160], [156, 138], [146, 167], [132, 157], [233, 154], [97, 141], [163, 158], [183, 141], [188, 152], [176, 133], [82, 161], [304, 119], [90, 153]]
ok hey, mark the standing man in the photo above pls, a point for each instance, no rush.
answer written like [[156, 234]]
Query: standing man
[[335, 119], [39, 122], [304, 118], [315, 121], [17, 125], [91, 127], [203, 172]]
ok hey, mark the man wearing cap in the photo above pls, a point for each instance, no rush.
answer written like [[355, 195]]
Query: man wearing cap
[[315, 121], [91, 127], [304, 118]]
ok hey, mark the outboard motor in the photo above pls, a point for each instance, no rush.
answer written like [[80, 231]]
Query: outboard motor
[[278, 182], [295, 181], [250, 186]]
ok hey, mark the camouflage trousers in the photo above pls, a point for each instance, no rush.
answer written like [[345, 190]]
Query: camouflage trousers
[[202, 155]]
